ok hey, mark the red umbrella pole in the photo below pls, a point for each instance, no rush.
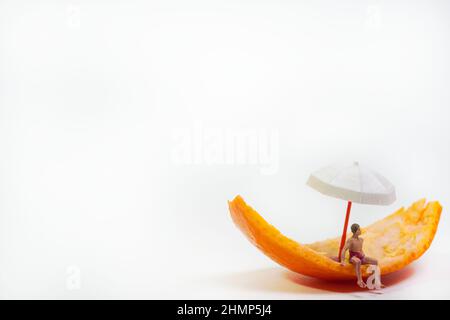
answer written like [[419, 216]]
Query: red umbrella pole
[[344, 232]]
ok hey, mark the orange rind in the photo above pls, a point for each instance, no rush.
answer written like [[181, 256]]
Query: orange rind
[[394, 241]]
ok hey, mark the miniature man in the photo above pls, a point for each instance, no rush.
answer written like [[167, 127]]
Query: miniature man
[[357, 257]]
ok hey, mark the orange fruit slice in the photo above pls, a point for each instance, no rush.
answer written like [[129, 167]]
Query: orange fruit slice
[[394, 241]]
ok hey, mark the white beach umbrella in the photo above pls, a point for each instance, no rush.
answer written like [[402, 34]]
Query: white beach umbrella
[[352, 183]]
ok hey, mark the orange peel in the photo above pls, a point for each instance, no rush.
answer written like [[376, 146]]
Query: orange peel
[[394, 241]]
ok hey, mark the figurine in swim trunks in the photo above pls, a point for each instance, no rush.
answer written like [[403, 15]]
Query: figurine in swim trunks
[[354, 245]]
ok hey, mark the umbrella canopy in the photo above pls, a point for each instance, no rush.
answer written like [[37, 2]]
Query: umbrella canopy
[[353, 182]]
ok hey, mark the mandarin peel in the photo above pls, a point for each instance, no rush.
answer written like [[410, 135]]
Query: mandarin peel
[[395, 241]]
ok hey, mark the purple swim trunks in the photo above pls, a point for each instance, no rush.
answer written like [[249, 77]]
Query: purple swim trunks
[[359, 255]]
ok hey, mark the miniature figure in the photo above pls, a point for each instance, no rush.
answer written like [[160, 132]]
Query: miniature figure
[[357, 257]]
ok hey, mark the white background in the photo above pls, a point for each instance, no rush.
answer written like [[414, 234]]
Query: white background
[[93, 203]]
